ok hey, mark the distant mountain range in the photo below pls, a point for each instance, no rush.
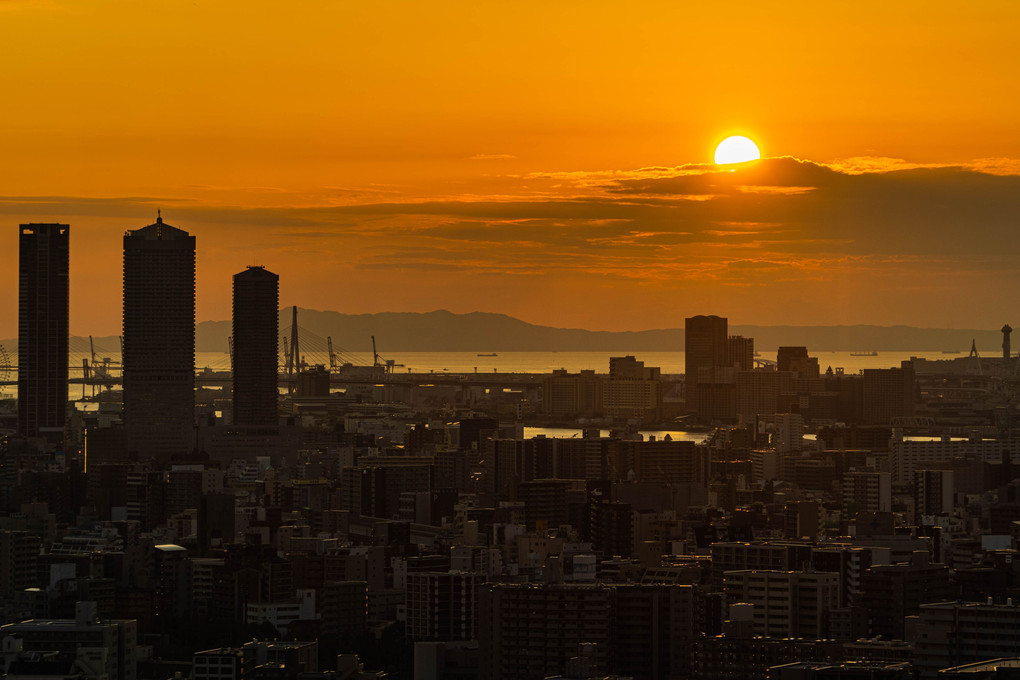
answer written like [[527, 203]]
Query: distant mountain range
[[443, 331]]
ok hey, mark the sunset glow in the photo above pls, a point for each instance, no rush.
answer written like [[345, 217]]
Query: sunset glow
[[528, 160]]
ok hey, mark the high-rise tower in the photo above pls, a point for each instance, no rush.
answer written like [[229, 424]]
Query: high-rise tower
[[706, 345], [256, 328], [159, 341], [42, 330]]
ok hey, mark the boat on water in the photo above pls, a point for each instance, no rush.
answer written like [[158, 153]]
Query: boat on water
[[864, 354], [491, 354]]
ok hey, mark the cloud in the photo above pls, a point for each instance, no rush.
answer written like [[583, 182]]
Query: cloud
[[491, 157], [867, 231]]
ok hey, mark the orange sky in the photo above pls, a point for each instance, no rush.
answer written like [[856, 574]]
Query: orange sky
[[408, 156]]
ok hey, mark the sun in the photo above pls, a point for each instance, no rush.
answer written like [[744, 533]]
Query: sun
[[736, 150]]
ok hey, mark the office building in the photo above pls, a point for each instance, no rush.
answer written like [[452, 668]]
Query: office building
[[786, 603], [441, 606], [255, 332], [572, 394], [159, 341], [529, 632], [948, 634], [44, 258], [110, 645], [717, 393], [906, 456], [888, 393], [632, 390], [933, 492], [223, 663], [758, 392], [706, 345], [892, 592], [741, 352], [739, 556], [787, 356], [866, 491]]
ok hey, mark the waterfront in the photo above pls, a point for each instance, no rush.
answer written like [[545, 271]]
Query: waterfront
[[671, 363], [646, 435]]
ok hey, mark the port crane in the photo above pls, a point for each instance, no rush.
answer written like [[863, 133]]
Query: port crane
[[386, 364]]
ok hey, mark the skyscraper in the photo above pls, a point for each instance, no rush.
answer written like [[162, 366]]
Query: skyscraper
[[706, 345], [256, 328], [159, 340], [42, 329]]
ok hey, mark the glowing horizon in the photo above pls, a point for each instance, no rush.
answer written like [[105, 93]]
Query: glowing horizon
[[540, 161]]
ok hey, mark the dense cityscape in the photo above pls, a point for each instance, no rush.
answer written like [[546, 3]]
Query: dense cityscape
[[287, 520]]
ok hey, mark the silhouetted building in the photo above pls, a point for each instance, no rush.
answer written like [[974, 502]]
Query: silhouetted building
[[473, 431], [441, 606], [706, 345], [529, 632], [891, 592], [632, 390], [949, 634], [312, 383], [572, 394], [933, 492], [255, 332], [43, 330], [786, 356], [758, 392], [741, 352], [888, 393], [113, 643], [159, 340], [786, 603]]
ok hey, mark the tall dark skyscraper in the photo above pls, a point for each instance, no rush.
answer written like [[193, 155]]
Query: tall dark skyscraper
[[43, 329], [706, 344], [256, 329], [159, 341]]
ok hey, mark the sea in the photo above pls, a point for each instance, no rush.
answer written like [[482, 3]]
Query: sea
[[534, 362], [546, 362]]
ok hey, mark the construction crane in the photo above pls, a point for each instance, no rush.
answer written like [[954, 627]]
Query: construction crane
[[378, 362], [333, 368]]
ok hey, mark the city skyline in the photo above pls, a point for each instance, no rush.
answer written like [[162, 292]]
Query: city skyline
[[532, 170], [668, 308]]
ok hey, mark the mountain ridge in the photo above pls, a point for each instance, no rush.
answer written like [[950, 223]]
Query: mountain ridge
[[444, 331]]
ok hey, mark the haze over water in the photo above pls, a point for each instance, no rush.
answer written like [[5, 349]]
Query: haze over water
[[671, 363]]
